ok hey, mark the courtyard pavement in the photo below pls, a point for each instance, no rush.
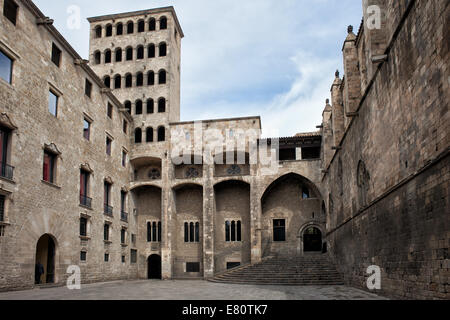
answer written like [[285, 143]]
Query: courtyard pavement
[[189, 290]]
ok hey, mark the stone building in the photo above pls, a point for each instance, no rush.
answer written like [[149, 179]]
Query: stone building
[[97, 170]]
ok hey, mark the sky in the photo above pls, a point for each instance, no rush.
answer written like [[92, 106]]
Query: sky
[[270, 58]]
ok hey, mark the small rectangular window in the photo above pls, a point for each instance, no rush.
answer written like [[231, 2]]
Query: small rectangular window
[[110, 111], [106, 232], [83, 227], [279, 230], [123, 233], [192, 267], [231, 265], [83, 255], [86, 129], [88, 88], [133, 256], [108, 146], [6, 65], [2, 208], [123, 259], [10, 9], [56, 55], [53, 103], [125, 126], [106, 257], [49, 167], [124, 158]]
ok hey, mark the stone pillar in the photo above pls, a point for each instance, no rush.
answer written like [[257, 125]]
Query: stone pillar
[[352, 88], [168, 209], [337, 120], [255, 217], [208, 221], [327, 135]]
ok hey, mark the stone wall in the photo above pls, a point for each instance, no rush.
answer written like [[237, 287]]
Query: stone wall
[[387, 184]]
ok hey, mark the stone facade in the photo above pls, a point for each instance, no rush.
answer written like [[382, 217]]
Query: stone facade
[[372, 184], [386, 180]]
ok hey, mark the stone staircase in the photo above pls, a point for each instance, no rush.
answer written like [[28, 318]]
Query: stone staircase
[[314, 269]]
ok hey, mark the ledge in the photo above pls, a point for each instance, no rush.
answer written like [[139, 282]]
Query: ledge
[[51, 184], [85, 238]]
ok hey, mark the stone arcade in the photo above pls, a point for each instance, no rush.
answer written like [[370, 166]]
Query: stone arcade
[[88, 179]]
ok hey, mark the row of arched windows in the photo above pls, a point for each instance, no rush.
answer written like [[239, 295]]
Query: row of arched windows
[[128, 54], [129, 27], [161, 135], [141, 79], [150, 104]]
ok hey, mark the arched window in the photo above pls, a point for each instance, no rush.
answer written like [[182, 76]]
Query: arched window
[[141, 26], [163, 23], [150, 106], [127, 105], [162, 77], [152, 24], [362, 181], [150, 78], [130, 27], [149, 134], [118, 55], [97, 57], [162, 49], [151, 50], [128, 80], [149, 232], [109, 30], [98, 31], [108, 56], [119, 29], [107, 81], [186, 232], [117, 81], [192, 232], [227, 231], [138, 135], [161, 105], [161, 134], [140, 79], [140, 52], [129, 54], [238, 231], [197, 232], [233, 230], [138, 107], [340, 178]]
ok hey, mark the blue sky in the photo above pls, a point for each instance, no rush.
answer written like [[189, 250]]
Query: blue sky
[[273, 58]]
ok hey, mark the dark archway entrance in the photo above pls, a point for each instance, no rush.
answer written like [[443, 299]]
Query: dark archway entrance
[[45, 260], [154, 266], [312, 240]]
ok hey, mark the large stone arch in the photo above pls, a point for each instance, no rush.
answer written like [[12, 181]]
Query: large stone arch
[[289, 202], [148, 202], [232, 204], [188, 217]]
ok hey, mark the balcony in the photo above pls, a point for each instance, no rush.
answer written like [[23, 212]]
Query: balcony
[[124, 216], [6, 171], [85, 201], [108, 210]]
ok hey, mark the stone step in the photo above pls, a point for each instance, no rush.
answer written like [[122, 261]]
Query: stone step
[[310, 270]]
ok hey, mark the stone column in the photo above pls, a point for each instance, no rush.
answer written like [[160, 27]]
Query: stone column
[[352, 90], [208, 221], [337, 112], [167, 208], [255, 220]]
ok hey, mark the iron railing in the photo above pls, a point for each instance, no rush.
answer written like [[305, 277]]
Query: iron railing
[[108, 210], [124, 216], [6, 171], [85, 201]]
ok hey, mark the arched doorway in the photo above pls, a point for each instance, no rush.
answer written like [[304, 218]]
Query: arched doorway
[[154, 266], [312, 240], [45, 260]]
